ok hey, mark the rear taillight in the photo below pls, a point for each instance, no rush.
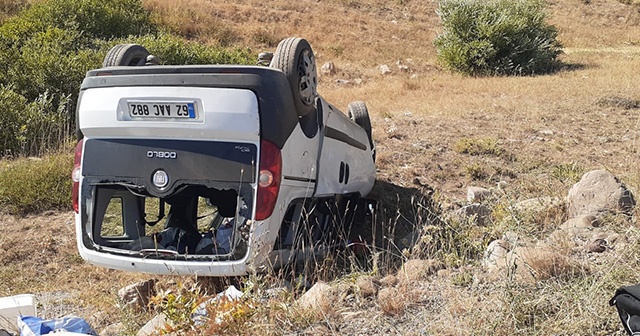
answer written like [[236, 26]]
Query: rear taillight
[[75, 176], [270, 171]]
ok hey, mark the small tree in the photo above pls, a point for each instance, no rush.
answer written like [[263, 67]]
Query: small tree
[[497, 37]]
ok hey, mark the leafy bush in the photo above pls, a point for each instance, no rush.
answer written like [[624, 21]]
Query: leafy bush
[[104, 19], [36, 185], [46, 49], [497, 37], [30, 128], [172, 49]]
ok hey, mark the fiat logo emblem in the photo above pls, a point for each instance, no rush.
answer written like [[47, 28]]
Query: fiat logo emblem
[[160, 179]]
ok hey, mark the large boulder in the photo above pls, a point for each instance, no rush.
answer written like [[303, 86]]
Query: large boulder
[[479, 214], [598, 193]]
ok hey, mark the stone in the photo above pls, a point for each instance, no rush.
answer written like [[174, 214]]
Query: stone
[[328, 69], [596, 246], [502, 185], [384, 69], [581, 222], [418, 269], [401, 66], [535, 205], [318, 298], [391, 300], [154, 326], [367, 286], [511, 238], [495, 253], [599, 192], [343, 82], [115, 329], [137, 295], [479, 213], [477, 194]]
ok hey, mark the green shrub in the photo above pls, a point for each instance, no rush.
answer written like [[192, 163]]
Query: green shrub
[[104, 19], [46, 49], [172, 49], [36, 185], [483, 146], [31, 128], [497, 37]]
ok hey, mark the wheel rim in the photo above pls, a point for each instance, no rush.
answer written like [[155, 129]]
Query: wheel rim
[[308, 77]]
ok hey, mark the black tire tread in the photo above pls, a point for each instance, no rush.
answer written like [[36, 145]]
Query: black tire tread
[[125, 54], [358, 112], [286, 59]]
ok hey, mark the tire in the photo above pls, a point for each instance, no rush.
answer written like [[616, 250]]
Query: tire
[[295, 58], [126, 55], [358, 112]]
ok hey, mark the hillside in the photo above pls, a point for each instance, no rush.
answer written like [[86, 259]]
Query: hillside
[[538, 135]]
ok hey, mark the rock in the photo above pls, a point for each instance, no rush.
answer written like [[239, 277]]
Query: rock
[[528, 265], [501, 187], [115, 329], [358, 81], [535, 205], [596, 246], [367, 286], [389, 281], [319, 298], [391, 300], [582, 222], [479, 213], [343, 82], [137, 295], [401, 66], [417, 269], [384, 69], [495, 253], [328, 69], [477, 194], [154, 326], [511, 238], [599, 192]]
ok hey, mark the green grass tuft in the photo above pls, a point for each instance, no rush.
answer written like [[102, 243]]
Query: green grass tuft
[[36, 185]]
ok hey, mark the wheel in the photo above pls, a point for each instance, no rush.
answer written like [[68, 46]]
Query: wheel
[[126, 55], [295, 58], [357, 111]]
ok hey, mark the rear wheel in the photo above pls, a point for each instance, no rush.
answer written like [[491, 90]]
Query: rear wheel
[[357, 111], [126, 55], [295, 58]]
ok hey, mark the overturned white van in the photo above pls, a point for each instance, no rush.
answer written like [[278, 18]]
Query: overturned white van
[[215, 170]]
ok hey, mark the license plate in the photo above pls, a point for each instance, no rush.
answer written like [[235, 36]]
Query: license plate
[[162, 110]]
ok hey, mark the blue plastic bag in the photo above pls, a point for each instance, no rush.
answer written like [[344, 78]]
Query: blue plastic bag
[[35, 326]]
